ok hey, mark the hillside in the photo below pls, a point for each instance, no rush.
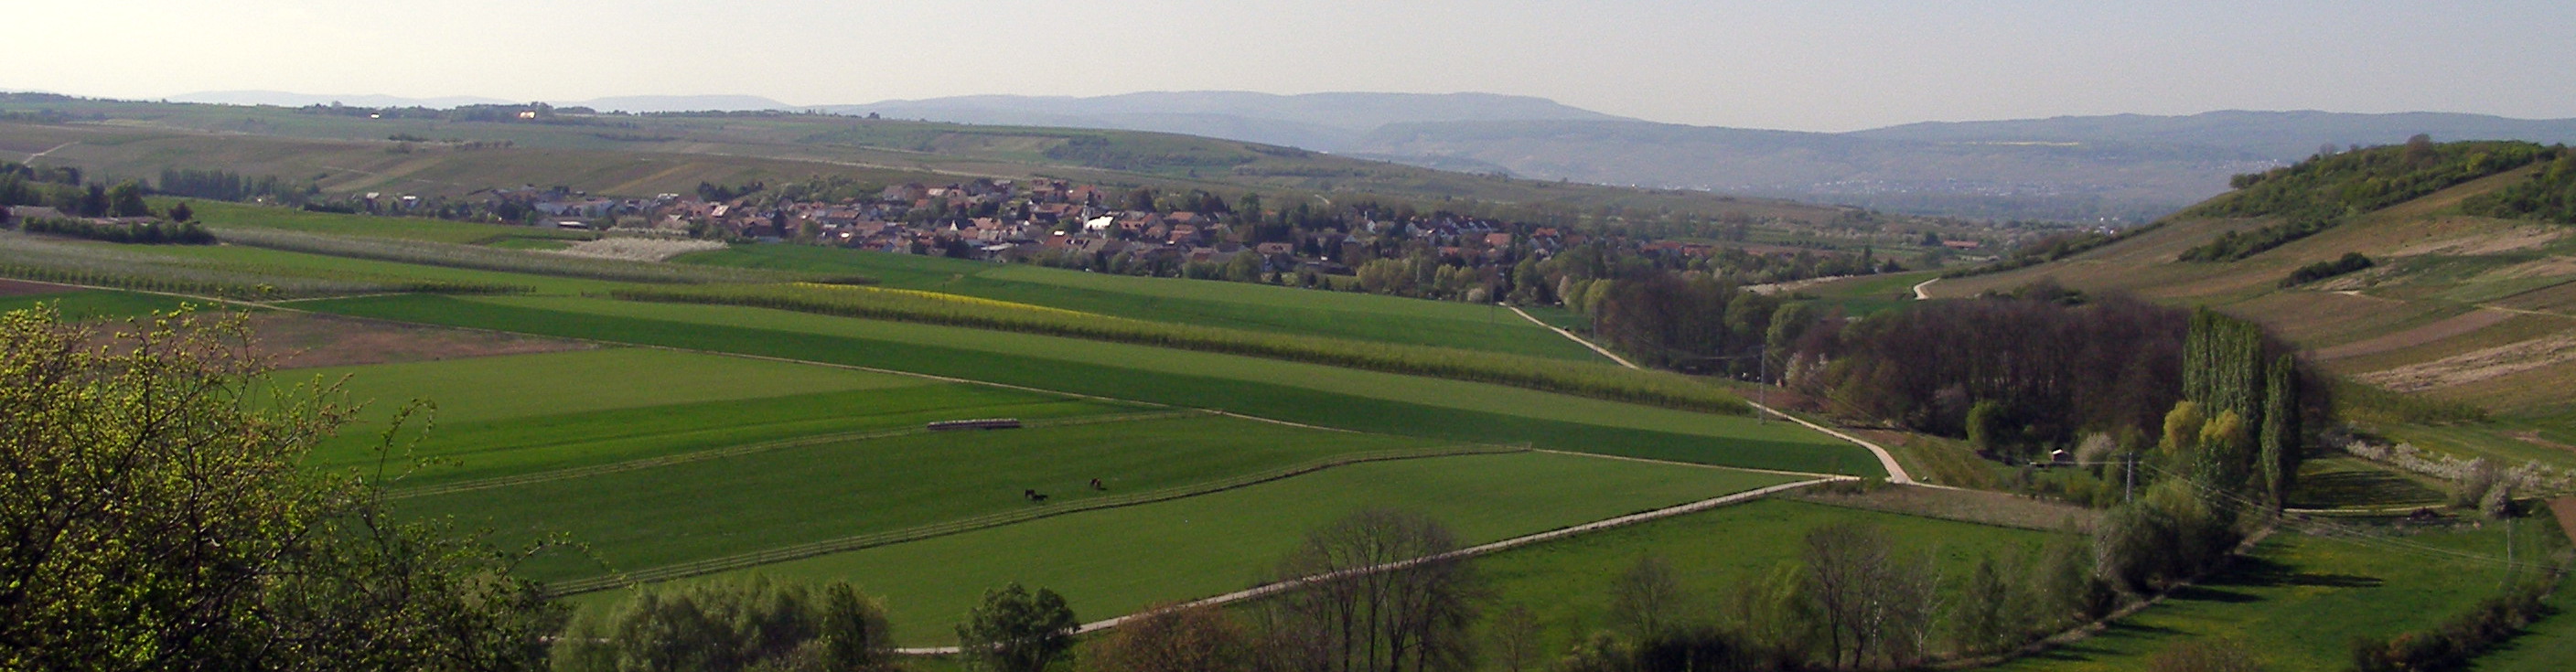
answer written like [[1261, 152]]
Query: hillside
[[2453, 307], [1318, 121], [611, 154]]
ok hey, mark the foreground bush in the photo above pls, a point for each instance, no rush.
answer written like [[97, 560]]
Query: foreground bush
[[2451, 645], [159, 516], [728, 626]]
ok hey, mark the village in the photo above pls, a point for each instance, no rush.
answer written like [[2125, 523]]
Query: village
[[1142, 232]]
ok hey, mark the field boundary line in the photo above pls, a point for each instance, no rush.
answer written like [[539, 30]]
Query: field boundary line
[[742, 450], [1886, 460], [1268, 589], [866, 541], [1699, 465], [1623, 361]]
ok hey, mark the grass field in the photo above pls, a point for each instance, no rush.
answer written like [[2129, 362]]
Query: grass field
[[510, 415], [2299, 600], [1199, 302], [92, 304], [1307, 393], [1114, 561], [1566, 583], [1868, 294], [698, 510], [236, 215]]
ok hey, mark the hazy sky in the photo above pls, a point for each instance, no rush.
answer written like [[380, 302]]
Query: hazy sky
[[1805, 65]]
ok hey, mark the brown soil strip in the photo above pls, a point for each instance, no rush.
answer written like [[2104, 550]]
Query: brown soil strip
[[22, 288], [2565, 507], [2455, 326], [2475, 366], [1972, 506], [301, 340]]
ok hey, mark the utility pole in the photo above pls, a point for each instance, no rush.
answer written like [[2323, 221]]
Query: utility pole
[[2129, 479]]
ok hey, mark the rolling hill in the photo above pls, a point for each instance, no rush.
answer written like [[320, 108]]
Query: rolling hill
[[646, 154], [2455, 307]]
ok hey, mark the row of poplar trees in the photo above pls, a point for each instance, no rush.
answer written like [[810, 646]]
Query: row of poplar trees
[[2237, 375]]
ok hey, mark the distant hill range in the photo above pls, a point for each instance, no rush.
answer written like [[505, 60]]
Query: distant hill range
[[639, 104], [1330, 122], [2118, 167], [2122, 167]]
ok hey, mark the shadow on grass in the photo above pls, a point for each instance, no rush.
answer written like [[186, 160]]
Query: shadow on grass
[[2261, 572]]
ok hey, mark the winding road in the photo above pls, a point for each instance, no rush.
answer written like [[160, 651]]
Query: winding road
[[1471, 551], [1895, 472]]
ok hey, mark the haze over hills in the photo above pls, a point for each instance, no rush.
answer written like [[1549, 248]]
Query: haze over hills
[[2124, 167], [639, 104], [1318, 121]]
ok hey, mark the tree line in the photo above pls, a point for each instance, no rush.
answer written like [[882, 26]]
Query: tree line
[[2328, 189]]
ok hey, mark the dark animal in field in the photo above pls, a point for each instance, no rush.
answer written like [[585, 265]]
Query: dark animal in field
[[1033, 495], [1096, 485]]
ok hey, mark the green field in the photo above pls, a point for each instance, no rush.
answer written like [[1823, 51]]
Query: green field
[[511, 415], [94, 304], [220, 214], [1566, 583], [1363, 400], [1201, 302], [1114, 561], [1867, 294], [704, 509], [2299, 600]]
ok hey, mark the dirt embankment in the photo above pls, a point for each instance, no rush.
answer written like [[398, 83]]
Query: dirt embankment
[[2455, 326], [304, 340], [2476, 365], [22, 288]]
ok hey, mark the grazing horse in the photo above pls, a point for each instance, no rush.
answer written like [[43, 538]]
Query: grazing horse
[[1033, 495], [1095, 485]]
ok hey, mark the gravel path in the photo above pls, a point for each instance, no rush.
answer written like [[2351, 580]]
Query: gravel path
[[1895, 472], [1471, 551]]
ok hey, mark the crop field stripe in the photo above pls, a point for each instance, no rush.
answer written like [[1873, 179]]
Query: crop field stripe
[[1299, 405], [741, 450], [845, 544], [1468, 552]]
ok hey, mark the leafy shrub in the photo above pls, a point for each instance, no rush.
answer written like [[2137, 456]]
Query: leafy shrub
[[146, 233], [2324, 191], [2351, 261], [730, 626], [2549, 196], [2456, 642]]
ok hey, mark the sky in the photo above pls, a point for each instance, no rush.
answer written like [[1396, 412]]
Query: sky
[[1820, 65]]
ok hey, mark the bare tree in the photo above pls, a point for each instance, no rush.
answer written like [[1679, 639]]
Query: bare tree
[[1876, 603], [1515, 634], [1384, 598], [1647, 600], [1170, 639]]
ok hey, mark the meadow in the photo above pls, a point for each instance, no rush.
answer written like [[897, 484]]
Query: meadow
[[1566, 583], [202, 270], [219, 214], [1115, 561], [708, 509], [1315, 394], [1209, 303], [95, 304], [513, 415], [1868, 294], [2299, 599], [1596, 380]]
